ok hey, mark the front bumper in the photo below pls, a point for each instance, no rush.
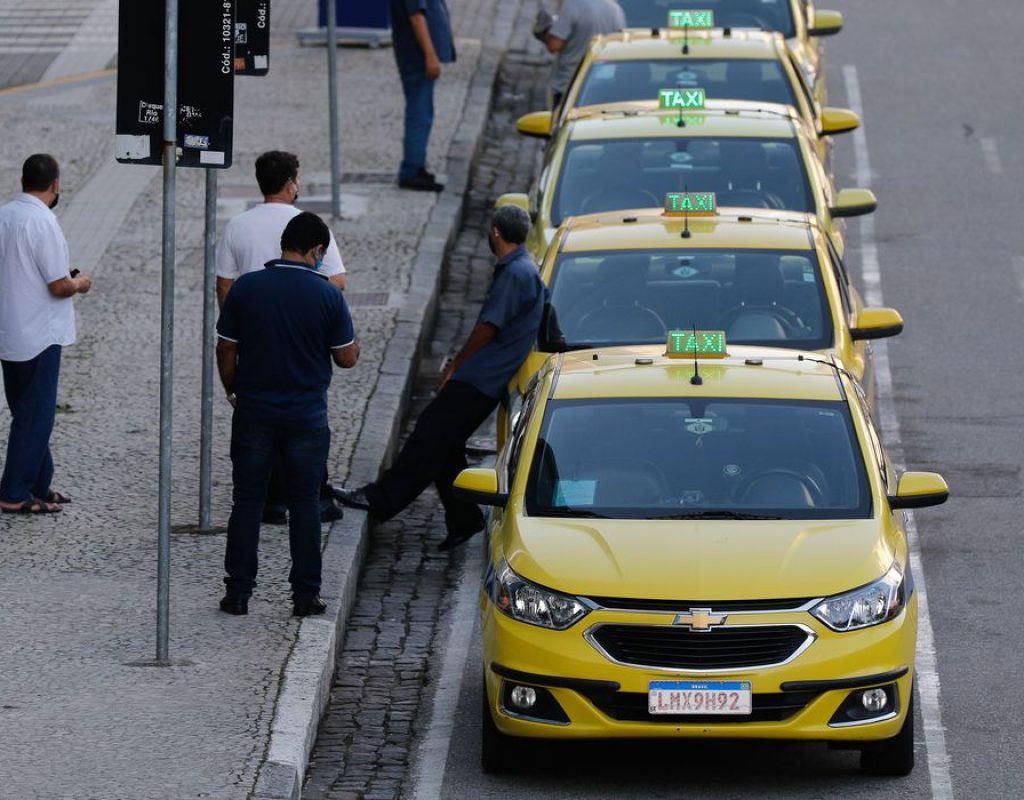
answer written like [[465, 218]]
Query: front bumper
[[799, 699]]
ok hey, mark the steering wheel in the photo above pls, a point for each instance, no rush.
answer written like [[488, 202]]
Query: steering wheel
[[811, 485], [624, 197], [752, 198], [787, 317]]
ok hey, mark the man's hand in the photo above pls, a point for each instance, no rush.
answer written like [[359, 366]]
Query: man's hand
[[69, 287], [83, 282], [433, 67], [447, 370], [542, 24]]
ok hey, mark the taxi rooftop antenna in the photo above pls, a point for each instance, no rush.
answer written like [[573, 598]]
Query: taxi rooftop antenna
[[686, 42], [686, 217], [696, 380]]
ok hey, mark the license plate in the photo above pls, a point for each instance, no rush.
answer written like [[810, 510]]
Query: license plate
[[699, 697]]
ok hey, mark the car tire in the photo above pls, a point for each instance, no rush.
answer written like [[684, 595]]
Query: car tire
[[500, 754], [895, 756]]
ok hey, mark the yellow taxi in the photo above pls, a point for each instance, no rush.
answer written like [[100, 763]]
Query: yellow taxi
[[633, 66], [798, 20], [752, 155], [768, 278], [707, 543]]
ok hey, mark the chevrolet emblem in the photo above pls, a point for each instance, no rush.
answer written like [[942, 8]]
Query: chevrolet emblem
[[700, 619]]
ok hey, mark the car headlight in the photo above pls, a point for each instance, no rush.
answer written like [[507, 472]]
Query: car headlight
[[869, 605], [535, 605]]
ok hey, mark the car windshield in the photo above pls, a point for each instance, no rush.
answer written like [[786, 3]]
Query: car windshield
[[698, 459], [769, 15], [763, 297], [732, 79], [610, 174]]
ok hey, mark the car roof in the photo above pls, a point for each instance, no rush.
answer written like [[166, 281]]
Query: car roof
[[639, 43], [721, 119], [650, 229], [645, 372]]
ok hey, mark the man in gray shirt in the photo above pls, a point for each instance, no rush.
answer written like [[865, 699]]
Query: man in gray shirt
[[568, 36]]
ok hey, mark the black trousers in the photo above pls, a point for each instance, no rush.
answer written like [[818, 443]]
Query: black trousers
[[435, 452]]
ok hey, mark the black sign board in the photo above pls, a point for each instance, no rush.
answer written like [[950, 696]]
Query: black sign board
[[206, 82], [252, 37]]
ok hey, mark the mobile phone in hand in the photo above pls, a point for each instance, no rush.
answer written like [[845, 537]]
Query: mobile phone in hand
[[75, 273]]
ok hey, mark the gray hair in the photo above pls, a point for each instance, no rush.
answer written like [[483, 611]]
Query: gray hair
[[512, 223]]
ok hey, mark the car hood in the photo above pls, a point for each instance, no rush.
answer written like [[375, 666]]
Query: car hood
[[700, 560]]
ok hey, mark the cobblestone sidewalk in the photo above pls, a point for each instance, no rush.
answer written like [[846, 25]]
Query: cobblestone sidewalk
[[77, 591]]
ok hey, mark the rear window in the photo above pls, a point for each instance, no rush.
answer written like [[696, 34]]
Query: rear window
[[759, 297], [748, 172], [735, 79], [769, 15], [713, 458]]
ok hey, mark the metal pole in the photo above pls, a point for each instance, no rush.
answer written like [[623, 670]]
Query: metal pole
[[332, 106], [209, 312], [163, 593]]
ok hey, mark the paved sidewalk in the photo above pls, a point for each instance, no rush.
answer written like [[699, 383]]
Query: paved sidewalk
[[77, 591]]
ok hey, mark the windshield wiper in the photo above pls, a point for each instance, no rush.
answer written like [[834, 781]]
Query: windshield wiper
[[724, 514], [565, 511]]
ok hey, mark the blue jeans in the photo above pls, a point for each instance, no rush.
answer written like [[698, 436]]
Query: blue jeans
[[31, 390], [304, 453], [419, 119]]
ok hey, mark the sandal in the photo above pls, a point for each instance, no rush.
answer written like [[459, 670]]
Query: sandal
[[33, 506], [53, 496]]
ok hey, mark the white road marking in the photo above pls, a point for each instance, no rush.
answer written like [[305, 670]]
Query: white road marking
[[990, 150], [1018, 272], [926, 668], [431, 761]]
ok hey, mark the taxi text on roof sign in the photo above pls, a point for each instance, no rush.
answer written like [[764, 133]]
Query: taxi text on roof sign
[[702, 18], [696, 344], [690, 203], [681, 98]]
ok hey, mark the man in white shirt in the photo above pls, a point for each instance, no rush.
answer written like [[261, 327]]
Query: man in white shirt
[[37, 320], [253, 238], [248, 242]]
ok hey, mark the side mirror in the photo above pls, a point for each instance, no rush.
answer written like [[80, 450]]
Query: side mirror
[[838, 120], [826, 23], [538, 124], [919, 490], [854, 203], [876, 323], [514, 199], [478, 485]]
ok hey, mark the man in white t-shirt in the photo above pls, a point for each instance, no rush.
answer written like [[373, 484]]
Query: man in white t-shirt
[[37, 320], [248, 242], [253, 238]]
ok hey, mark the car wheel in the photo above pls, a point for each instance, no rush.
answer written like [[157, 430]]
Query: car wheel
[[893, 756], [499, 753]]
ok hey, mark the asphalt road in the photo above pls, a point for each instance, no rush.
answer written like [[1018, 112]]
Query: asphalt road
[[935, 82]]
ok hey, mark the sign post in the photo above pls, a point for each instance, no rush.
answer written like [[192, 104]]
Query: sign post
[[332, 106], [199, 93]]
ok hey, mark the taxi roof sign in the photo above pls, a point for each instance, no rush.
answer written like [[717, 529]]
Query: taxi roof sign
[[697, 18], [693, 204], [696, 344], [682, 99]]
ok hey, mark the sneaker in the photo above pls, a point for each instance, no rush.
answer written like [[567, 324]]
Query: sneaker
[[422, 181], [308, 606], [353, 498], [234, 605]]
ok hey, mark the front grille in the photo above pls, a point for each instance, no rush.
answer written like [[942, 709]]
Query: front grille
[[632, 707], [682, 606], [673, 647]]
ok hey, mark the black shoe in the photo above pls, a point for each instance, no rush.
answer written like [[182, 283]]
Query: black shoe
[[308, 606], [422, 181], [353, 498], [274, 516], [329, 512], [232, 604], [453, 540]]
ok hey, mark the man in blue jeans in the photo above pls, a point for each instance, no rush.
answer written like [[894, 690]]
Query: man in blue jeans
[[423, 41], [278, 333]]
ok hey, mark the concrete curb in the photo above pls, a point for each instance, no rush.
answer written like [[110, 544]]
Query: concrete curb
[[309, 670]]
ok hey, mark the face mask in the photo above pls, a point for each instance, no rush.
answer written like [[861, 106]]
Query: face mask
[[56, 199], [318, 264]]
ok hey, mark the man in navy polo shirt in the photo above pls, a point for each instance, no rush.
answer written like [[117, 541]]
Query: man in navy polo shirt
[[471, 388], [278, 333]]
